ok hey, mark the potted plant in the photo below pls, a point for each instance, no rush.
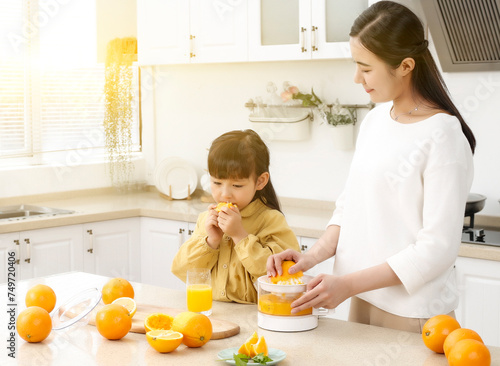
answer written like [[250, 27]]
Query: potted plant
[[339, 118]]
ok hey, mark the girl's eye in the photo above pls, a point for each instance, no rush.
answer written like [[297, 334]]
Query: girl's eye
[[216, 183]]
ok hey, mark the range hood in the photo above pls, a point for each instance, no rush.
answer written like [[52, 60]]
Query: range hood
[[466, 33]]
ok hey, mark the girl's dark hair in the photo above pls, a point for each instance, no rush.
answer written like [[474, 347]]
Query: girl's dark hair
[[238, 155], [393, 32]]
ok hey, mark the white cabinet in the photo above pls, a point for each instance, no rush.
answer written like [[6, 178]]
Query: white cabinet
[[7, 251], [194, 31], [301, 29], [161, 239], [113, 248], [342, 311], [479, 307], [43, 252]]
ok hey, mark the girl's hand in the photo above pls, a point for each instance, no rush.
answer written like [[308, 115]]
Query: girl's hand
[[302, 262], [327, 291], [214, 232], [229, 220]]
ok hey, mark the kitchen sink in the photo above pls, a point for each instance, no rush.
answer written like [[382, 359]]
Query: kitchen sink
[[22, 212]]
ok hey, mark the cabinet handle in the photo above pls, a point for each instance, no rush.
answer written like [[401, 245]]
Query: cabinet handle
[[28, 251], [191, 46], [16, 242], [91, 242], [190, 232], [313, 38], [303, 39], [181, 236]]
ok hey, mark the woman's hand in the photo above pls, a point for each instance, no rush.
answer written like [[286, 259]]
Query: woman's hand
[[214, 232], [326, 291], [229, 221], [302, 262]]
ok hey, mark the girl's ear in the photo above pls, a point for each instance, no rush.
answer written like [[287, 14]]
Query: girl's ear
[[262, 181]]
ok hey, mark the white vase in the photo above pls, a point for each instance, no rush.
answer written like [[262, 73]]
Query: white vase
[[343, 136]]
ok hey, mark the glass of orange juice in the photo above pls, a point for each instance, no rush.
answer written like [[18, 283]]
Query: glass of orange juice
[[199, 291]]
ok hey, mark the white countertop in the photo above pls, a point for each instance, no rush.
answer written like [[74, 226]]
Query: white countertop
[[333, 342], [306, 217]]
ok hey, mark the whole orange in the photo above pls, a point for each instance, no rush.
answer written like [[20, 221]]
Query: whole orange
[[469, 352], [456, 336], [436, 329], [34, 324], [42, 296], [113, 321], [196, 328], [116, 288]]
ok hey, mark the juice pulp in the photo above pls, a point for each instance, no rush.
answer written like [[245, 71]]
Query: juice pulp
[[199, 298]]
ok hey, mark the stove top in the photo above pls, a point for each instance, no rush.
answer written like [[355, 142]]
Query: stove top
[[481, 236]]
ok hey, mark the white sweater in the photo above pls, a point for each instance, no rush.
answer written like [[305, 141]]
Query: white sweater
[[404, 204]]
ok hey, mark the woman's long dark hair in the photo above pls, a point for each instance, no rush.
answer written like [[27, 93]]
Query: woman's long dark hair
[[393, 32], [239, 154]]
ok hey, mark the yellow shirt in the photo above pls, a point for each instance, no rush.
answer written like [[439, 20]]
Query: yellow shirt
[[236, 266]]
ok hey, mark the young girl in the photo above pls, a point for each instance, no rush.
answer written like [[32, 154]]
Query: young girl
[[397, 226], [236, 242]]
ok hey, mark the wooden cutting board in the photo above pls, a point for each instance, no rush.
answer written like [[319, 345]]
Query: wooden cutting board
[[221, 328]]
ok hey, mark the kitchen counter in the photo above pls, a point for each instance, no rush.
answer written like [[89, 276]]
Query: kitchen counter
[[307, 218], [333, 342]]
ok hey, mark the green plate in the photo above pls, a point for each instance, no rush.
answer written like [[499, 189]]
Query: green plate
[[275, 355]]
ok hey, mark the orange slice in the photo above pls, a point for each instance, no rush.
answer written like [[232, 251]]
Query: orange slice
[[247, 347], [260, 347], [128, 303], [224, 204], [164, 341], [158, 321]]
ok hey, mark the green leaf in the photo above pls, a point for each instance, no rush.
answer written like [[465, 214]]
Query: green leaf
[[241, 359], [261, 358]]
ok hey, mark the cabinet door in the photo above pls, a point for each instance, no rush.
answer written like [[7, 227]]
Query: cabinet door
[[218, 31], [160, 241], [162, 31], [330, 26], [113, 248], [8, 256], [46, 252], [479, 286], [342, 311], [279, 29]]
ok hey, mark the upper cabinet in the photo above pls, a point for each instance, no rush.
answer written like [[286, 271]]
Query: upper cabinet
[[194, 31], [200, 31], [301, 29]]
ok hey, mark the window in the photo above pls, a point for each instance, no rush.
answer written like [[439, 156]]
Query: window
[[51, 86]]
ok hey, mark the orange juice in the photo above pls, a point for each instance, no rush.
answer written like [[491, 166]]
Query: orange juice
[[199, 297], [280, 304]]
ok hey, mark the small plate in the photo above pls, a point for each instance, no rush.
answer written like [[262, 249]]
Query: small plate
[[75, 308], [178, 174], [275, 355]]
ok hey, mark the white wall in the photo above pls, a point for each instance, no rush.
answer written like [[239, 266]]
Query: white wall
[[197, 103]]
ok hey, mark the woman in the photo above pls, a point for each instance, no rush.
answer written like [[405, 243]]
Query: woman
[[396, 229]]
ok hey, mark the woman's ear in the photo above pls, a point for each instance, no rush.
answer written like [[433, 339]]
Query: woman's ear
[[406, 66], [262, 181]]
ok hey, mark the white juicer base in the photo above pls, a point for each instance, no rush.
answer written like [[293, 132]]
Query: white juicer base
[[287, 323]]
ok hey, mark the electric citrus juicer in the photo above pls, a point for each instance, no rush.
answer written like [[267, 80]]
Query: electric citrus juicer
[[274, 307]]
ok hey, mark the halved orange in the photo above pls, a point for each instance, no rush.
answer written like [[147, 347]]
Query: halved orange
[[286, 276], [128, 303], [158, 321], [164, 341]]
